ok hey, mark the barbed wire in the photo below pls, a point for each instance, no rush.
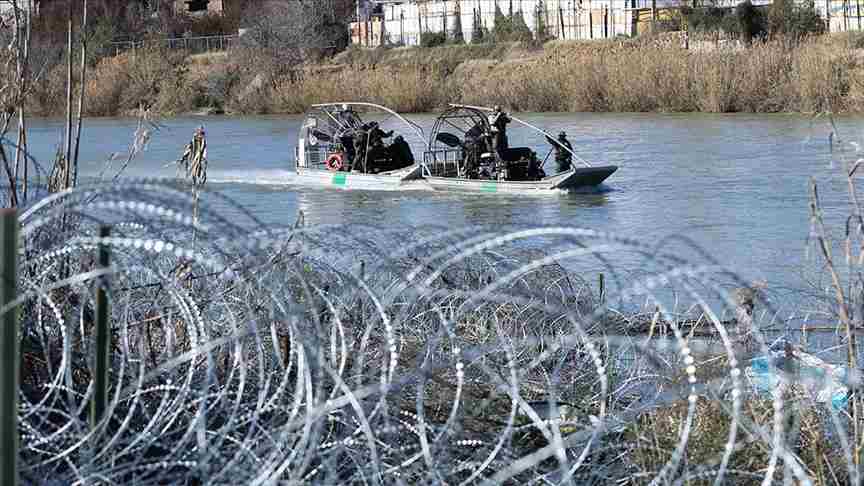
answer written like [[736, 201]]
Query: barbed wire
[[348, 354]]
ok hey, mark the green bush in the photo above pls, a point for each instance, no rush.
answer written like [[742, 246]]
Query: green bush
[[510, 28], [751, 22], [432, 39], [542, 31], [457, 37], [710, 19], [788, 19]]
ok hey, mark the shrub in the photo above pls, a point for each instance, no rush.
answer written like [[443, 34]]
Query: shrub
[[510, 28], [478, 33], [751, 22], [788, 19], [432, 39], [458, 37], [710, 19], [541, 31]]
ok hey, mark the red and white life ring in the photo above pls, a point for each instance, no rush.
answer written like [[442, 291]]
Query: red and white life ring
[[334, 162]]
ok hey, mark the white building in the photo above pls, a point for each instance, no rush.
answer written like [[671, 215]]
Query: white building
[[402, 22]]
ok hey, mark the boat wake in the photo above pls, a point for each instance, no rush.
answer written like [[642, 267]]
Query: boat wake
[[270, 177], [598, 189]]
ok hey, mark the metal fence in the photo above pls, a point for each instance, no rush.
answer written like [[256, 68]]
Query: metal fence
[[196, 45]]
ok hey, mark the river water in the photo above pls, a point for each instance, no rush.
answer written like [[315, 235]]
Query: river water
[[736, 185]]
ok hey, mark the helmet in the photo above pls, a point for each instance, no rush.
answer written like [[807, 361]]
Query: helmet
[[344, 107], [562, 135]]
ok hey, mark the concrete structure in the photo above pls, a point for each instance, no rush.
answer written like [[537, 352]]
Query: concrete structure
[[403, 22]]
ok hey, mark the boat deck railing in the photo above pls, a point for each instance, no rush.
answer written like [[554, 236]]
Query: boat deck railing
[[316, 157], [443, 163]]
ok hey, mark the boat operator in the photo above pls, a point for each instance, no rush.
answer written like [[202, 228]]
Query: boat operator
[[376, 135], [499, 121], [348, 117], [563, 157]]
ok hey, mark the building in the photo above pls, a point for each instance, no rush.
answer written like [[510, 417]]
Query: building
[[404, 22], [401, 22]]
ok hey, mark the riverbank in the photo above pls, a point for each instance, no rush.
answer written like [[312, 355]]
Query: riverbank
[[652, 74]]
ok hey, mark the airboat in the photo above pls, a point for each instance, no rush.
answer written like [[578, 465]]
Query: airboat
[[469, 151], [358, 146]]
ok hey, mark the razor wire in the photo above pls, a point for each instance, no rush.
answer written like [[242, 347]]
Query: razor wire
[[360, 354]]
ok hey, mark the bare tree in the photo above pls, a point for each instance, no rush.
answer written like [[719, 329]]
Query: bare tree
[[295, 30], [13, 95]]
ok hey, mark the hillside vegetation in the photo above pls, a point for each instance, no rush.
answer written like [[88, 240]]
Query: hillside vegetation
[[644, 75]]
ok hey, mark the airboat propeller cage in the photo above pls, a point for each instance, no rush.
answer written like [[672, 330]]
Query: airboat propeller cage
[[478, 116], [322, 124]]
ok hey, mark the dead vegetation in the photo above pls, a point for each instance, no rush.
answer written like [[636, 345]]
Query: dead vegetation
[[816, 75]]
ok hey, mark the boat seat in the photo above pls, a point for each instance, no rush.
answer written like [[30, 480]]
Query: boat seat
[[516, 153], [448, 139]]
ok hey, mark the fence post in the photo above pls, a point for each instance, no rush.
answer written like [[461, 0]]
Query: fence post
[[9, 346], [103, 336], [601, 289]]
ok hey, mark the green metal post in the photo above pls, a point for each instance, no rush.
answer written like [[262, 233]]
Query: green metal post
[[9, 346], [103, 337]]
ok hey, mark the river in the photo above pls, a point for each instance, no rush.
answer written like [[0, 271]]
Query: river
[[736, 185]]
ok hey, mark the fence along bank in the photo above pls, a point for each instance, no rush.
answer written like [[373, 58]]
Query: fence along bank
[[404, 22]]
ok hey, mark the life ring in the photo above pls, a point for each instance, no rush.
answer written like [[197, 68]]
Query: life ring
[[334, 162]]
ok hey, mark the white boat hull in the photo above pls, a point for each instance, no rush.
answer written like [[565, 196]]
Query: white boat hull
[[572, 179], [398, 180]]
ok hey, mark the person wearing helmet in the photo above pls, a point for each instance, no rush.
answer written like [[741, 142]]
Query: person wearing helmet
[[563, 155], [348, 118], [377, 136]]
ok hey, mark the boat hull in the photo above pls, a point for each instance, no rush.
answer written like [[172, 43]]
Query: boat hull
[[585, 177], [566, 181], [398, 180]]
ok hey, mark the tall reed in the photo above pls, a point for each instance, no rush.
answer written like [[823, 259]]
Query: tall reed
[[766, 77]]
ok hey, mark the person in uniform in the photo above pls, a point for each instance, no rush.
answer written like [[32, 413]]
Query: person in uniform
[[361, 139], [562, 147], [376, 135], [400, 153], [499, 121], [348, 117]]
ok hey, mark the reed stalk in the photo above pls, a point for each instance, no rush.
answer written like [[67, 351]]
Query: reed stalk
[[67, 175], [82, 81]]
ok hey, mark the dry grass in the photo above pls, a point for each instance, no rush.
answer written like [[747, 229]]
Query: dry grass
[[649, 75], [654, 436], [621, 77]]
